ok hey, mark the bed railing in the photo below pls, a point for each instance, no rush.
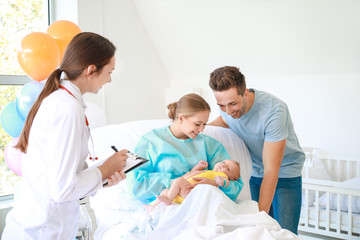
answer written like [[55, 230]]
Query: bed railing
[[340, 168], [324, 221], [330, 219]]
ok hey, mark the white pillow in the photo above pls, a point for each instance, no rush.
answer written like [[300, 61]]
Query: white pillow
[[353, 183], [122, 136], [238, 151]]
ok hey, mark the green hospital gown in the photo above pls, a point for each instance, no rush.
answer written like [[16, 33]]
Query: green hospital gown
[[171, 158]]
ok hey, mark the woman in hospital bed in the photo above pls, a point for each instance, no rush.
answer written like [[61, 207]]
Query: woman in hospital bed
[[174, 150], [207, 212]]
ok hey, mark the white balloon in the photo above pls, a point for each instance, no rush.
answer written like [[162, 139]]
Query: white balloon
[[95, 115]]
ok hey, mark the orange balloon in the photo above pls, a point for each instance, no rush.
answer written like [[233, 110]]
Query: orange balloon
[[39, 55], [63, 32]]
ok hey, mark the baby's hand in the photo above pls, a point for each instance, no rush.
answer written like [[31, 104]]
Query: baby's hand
[[203, 164], [220, 181], [200, 166]]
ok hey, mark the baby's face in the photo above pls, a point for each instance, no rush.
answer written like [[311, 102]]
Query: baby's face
[[229, 167]]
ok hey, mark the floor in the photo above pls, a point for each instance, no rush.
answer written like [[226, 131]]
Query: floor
[[309, 236]]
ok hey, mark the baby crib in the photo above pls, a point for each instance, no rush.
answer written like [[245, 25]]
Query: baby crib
[[331, 196]]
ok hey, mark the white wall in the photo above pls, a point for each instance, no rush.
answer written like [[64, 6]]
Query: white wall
[[305, 52], [139, 79], [70, 10]]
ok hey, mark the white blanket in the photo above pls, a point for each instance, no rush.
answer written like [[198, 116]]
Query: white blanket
[[206, 213]]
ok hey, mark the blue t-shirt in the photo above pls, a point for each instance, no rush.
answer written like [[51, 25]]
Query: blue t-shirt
[[268, 120], [171, 158]]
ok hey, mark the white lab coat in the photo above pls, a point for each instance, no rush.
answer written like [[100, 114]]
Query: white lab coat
[[46, 205]]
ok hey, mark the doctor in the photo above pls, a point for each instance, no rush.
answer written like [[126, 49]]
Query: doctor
[[55, 140]]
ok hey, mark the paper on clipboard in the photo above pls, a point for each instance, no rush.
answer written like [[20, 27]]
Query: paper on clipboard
[[133, 162]]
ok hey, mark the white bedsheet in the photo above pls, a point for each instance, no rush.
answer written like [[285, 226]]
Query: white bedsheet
[[206, 213]]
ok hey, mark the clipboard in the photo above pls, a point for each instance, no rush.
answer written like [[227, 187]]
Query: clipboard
[[132, 162]]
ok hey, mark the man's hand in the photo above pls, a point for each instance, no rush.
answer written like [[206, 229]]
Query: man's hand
[[219, 121]]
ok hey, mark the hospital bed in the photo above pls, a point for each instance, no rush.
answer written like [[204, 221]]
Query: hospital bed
[[206, 213]]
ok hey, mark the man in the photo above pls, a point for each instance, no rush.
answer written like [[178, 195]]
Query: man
[[264, 124]]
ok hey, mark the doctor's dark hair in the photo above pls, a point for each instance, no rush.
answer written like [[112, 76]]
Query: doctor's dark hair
[[84, 49], [187, 105], [223, 78]]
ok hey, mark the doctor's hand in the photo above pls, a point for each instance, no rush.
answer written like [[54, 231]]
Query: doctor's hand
[[113, 164], [115, 178]]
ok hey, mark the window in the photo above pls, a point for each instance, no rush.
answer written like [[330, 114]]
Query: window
[[17, 19]]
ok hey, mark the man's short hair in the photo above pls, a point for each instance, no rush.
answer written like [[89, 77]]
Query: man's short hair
[[227, 77]]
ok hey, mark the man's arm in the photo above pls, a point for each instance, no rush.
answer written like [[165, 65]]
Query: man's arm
[[273, 153], [219, 121]]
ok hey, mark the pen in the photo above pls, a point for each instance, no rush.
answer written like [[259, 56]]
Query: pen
[[130, 154]]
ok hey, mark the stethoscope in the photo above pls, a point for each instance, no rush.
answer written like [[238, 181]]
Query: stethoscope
[[91, 156]]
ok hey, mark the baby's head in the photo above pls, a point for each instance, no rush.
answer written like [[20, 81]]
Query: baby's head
[[230, 167]]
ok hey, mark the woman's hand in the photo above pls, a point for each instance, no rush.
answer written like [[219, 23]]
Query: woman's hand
[[115, 178], [201, 180], [192, 173]]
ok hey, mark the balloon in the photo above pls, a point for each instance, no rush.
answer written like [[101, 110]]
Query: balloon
[[63, 32], [26, 97], [11, 121], [13, 157], [39, 55], [95, 115]]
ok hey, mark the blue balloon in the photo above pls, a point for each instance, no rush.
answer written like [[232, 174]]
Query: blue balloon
[[11, 121], [26, 97]]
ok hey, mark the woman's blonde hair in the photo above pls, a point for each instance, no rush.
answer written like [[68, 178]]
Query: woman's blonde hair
[[187, 105]]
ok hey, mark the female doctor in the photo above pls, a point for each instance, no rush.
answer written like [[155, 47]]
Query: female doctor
[[55, 140]]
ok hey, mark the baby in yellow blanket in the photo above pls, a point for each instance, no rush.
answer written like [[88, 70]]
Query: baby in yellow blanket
[[221, 174]]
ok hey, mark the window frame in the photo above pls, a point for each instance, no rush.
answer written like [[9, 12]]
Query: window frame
[[14, 79], [20, 80]]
